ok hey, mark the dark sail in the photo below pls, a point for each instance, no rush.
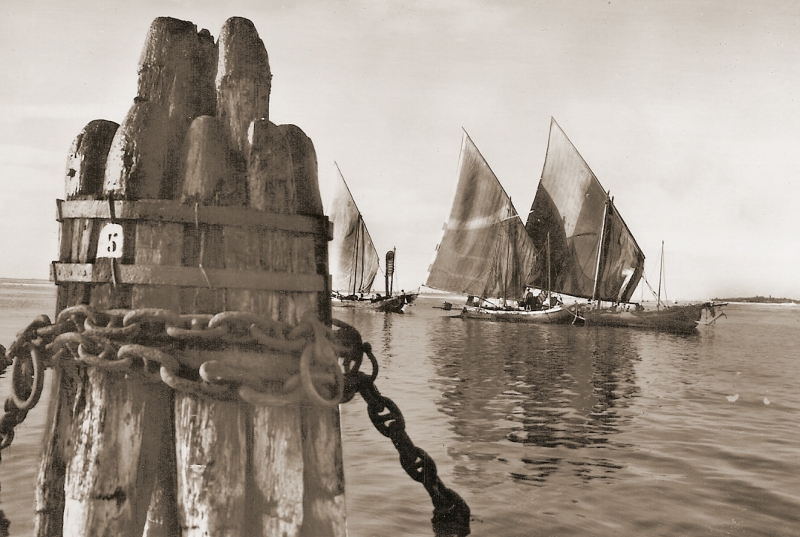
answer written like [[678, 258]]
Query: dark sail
[[570, 205], [354, 262], [485, 250], [621, 263]]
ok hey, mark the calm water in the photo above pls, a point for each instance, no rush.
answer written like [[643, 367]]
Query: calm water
[[551, 430]]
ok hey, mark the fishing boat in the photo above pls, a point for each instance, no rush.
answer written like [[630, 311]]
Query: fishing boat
[[485, 252], [594, 254], [678, 319], [354, 261]]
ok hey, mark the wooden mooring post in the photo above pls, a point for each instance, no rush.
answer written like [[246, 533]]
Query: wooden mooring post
[[195, 204]]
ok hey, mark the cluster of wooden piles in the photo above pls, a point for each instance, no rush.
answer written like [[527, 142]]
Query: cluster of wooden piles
[[130, 458]]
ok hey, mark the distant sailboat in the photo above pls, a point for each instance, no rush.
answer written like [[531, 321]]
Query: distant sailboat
[[354, 261], [594, 254], [485, 252]]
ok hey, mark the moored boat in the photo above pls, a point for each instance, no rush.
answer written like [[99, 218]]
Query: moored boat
[[354, 261], [594, 253], [485, 251], [682, 319]]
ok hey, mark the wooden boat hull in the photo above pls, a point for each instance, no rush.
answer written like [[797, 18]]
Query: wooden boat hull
[[676, 319], [391, 305], [556, 315], [395, 304]]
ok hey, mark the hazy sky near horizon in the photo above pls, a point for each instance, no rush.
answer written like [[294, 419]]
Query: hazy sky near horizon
[[686, 111]]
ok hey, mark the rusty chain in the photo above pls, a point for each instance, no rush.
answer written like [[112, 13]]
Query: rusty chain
[[283, 364], [163, 346], [451, 514]]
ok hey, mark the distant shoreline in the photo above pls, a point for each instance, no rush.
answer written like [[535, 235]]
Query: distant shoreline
[[25, 281], [758, 300]]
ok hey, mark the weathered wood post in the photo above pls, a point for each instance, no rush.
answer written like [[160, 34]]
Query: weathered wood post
[[84, 180], [129, 456]]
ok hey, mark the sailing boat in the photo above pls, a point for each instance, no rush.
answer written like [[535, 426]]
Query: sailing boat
[[679, 319], [485, 252], [354, 261], [594, 254]]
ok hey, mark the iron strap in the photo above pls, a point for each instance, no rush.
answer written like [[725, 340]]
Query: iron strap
[[187, 277], [171, 211]]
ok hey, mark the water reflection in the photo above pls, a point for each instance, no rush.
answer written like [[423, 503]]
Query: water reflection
[[534, 385]]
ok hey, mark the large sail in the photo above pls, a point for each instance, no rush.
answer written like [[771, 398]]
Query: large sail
[[485, 250], [354, 261], [571, 206], [621, 263]]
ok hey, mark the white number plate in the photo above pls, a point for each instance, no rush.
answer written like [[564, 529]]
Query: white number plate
[[110, 241]]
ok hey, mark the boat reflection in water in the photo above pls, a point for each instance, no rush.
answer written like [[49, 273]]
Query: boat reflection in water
[[548, 386]]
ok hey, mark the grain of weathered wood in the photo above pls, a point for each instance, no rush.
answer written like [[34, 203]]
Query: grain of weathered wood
[[158, 244], [277, 442], [243, 80], [241, 98], [205, 161], [324, 501], [308, 201], [270, 177], [211, 436], [111, 474], [83, 180], [119, 433], [177, 67], [176, 70], [212, 458], [241, 470], [304, 168], [137, 160], [277, 461], [115, 476], [86, 163]]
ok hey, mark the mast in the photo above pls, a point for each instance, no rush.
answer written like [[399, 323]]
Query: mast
[[509, 255], [660, 276], [600, 253], [548, 264], [355, 254]]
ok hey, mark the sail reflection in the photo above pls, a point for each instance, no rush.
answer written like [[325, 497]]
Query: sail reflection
[[547, 386]]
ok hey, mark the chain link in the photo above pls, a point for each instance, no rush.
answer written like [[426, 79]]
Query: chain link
[[227, 356], [451, 514], [152, 343]]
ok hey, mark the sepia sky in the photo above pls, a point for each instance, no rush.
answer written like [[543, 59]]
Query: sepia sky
[[687, 111]]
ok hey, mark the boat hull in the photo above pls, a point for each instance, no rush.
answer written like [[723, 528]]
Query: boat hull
[[557, 315], [676, 319], [395, 304]]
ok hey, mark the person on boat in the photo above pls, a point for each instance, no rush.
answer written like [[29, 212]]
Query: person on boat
[[531, 301], [542, 301]]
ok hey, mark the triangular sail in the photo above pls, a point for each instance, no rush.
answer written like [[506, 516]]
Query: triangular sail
[[354, 261], [572, 206], [622, 262], [485, 250]]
